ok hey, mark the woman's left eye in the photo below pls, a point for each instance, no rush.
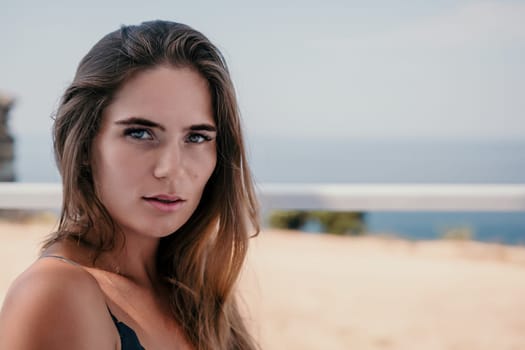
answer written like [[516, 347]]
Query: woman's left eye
[[198, 138]]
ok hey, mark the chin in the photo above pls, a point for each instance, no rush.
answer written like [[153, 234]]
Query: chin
[[162, 231]]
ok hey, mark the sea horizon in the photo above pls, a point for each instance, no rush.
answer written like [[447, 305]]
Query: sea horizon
[[372, 161]]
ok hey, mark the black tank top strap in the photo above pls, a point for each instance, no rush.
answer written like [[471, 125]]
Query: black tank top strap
[[60, 257]]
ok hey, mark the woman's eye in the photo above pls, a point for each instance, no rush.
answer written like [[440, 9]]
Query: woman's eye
[[139, 134], [198, 138]]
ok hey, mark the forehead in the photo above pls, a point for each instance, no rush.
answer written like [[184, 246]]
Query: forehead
[[164, 94]]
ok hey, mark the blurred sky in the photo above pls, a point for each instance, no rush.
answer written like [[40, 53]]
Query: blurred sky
[[450, 69]]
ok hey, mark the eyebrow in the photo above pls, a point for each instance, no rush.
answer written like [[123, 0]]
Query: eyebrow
[[140, 121], [152, 124], [203, 127]]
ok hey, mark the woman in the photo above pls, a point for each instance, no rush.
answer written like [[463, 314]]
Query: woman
[[158, 204]]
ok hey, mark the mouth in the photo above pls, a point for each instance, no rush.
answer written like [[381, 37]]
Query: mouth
[[165, 203]]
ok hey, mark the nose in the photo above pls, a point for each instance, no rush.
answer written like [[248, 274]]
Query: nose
[[168, 162]]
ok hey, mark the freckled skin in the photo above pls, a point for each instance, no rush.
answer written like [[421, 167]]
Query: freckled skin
[[130, 162]]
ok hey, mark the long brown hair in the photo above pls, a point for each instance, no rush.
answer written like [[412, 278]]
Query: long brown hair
[[201, 262]]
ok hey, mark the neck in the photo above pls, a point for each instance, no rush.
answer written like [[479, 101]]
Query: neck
[[136, 260], [133, 258]]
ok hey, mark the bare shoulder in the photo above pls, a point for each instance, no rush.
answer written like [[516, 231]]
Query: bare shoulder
[[54, 305]]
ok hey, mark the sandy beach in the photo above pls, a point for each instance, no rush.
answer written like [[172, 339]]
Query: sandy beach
[[326, 292]]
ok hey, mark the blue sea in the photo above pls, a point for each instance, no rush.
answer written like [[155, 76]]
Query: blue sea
[[416, 161], [318, 160], [495, 227]]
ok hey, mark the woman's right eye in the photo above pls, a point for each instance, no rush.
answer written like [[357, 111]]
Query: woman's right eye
[[138, 133]]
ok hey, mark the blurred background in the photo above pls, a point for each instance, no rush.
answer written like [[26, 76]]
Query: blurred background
[[400, 92], [332, 92]]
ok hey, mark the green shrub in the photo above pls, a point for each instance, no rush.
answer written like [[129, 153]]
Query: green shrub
[[332, 222], [459, 233]]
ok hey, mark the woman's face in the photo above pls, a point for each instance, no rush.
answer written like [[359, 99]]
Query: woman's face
[[155, 150]]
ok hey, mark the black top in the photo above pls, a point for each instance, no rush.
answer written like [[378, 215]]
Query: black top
[[128, 337]]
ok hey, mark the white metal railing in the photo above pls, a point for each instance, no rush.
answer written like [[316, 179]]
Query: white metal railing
[[341, 197], [41, 196], [394, 197]]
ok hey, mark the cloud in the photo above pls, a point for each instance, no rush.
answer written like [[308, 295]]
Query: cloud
[[473, 25]]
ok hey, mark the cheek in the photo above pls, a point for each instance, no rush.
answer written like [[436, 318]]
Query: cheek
[[113, 167], [210, 166], [202, 164], [202, 176], [118, 153]]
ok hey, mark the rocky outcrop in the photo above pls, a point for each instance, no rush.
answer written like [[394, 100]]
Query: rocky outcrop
[[7, 151]]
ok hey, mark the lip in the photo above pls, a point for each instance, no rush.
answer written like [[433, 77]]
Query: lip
[[165, 202], [164, 197]]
